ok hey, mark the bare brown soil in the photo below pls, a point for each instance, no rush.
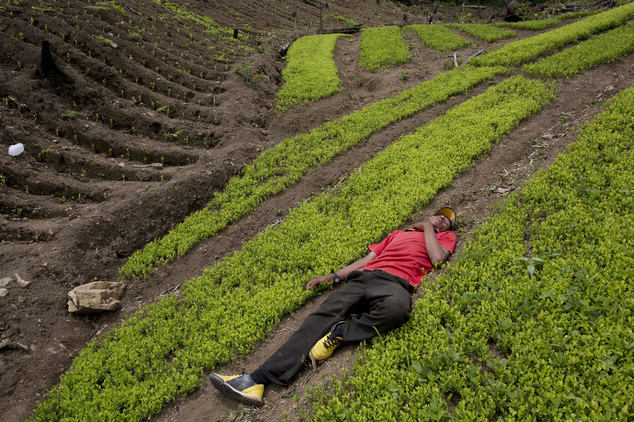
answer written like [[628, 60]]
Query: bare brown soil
[[162, 122]]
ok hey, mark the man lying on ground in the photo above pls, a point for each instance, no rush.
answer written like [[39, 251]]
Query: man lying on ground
[[375, 299]]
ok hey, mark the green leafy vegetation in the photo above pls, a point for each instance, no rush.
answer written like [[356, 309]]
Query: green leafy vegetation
[[213, 28], [604, 48], [534, 322], [161, 351], [247, 72], [107, 41], [541, 24], [43, 9], [524, 50], [348, 21], [311, 72], [285, 164], [487, 33], [533, 25], [439, 37], [98, 8], [582, 13], [116, 7], [70, 114], [382, 46]]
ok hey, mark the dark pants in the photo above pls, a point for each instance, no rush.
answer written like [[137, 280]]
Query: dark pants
[[370, 301]]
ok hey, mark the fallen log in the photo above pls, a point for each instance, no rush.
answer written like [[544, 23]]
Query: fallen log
[[477, 53], [347, 30]]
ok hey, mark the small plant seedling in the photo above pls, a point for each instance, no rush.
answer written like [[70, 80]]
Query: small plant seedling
[[246, 71], [70, 114]]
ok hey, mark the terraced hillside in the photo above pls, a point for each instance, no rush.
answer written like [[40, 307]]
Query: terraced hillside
[[153, 107]]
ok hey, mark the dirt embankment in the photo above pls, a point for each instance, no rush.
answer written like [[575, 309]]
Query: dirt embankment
[[151, 114]]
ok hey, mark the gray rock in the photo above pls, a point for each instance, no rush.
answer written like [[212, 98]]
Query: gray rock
[[3, 292], [98, 296], [5, 281], [21, 281]]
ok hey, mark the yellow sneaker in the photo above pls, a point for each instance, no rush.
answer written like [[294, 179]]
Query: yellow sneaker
[[325, 347], [239, 387]]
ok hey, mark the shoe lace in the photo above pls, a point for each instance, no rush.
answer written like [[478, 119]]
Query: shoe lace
[[331, 341]]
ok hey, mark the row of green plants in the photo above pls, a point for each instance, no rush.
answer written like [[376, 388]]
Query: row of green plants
[[439, 37], [311, 72], [534, 322], [213, 27], [346, 20], [602, 49], [161, 352], [286, 164], [382, 46], [541, 24], [488, 33], [524, 50]]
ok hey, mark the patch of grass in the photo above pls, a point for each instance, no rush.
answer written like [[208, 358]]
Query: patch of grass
[[524, 50], [439, 37], [351, 22], [311, 72], [382, 46], [604, 48], [488, 33]]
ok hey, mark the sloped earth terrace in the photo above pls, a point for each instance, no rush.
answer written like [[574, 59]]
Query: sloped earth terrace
[[57, 239]]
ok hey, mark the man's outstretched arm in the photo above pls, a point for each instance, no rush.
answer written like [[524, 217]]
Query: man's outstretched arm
[[342, 273]]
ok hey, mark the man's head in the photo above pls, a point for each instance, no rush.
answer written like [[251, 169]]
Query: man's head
[[444, 219]]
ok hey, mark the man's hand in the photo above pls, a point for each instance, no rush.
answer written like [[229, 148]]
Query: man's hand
[[319, 280], [424, 224], [437, 254], [342, 273]]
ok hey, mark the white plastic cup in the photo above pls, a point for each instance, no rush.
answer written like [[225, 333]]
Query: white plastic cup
[[15, 150]]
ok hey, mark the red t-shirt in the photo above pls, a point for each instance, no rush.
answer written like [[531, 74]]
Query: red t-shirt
[[403, 253]]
